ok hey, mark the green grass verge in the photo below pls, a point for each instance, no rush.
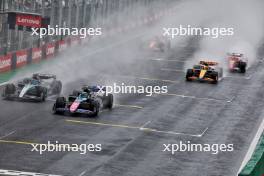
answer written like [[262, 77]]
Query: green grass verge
[[34, 67], [255, 166]]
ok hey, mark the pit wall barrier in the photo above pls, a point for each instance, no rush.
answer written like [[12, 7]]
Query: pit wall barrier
[[255, 166], [21, 58]]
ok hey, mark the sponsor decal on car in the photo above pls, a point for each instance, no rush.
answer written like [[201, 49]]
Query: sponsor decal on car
[[74, 106]]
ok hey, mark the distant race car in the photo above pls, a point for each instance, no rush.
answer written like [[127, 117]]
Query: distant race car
[[90, 100], [159, 44], [37, 88], [237, 62], [205, 71]]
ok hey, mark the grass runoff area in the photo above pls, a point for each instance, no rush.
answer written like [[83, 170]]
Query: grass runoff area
[[33, 67], [255, 166]]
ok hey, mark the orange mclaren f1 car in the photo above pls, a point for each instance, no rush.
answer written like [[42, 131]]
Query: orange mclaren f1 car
[[205, 71]]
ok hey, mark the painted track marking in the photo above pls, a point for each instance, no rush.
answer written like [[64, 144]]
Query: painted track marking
[[194, 97], [17, 142], [143, 78], [141, 128], [20, 173], [81, 174], [153, 79], [168, 60], [238, 77], [129, 106], [171, 70], [8, 134]]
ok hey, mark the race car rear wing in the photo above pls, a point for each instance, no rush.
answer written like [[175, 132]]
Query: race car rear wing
[[235, 54], [208, 63], [44, 76]]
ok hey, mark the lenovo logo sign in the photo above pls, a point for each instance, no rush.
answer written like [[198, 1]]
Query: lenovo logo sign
[[28, 20]]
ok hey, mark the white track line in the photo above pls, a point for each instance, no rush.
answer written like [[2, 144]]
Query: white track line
[[20, 173], [252, 146], [204, 132], [169, 132], [238, 77], [168, 60], [12, 132], [81, 174], [194, 97], [171, 70], [143, 126]]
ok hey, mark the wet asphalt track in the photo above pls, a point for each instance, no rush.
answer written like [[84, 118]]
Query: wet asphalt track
[[229, 112]]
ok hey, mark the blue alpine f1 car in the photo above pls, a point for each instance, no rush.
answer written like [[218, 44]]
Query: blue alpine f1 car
[[90, 100]]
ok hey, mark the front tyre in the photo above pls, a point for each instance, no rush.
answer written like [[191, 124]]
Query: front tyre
[[189, 74], [60, 103], [215, 78], [96, 108], [110, 101]]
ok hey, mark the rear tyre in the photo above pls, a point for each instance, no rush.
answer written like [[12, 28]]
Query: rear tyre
[[243, 68], [9, 90], [110, 101], [42, 97], [60, 103], [57, 88], [189, 74]]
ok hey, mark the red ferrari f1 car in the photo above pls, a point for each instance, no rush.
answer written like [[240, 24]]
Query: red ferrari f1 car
[[237, 62]]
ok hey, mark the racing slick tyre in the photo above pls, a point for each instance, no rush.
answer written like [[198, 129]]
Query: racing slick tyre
[[243, 68], [42, 97], [56, 88], [96, 108], [221, 72], [60, 103], [8, 90], [189, 74], [42, 93], [110, 101], [215, 78]]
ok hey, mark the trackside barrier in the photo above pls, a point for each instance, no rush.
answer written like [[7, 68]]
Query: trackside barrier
[[62, 45], [21, 58], [49, 50], [5, 62], [255, 166], [36, 55], [18, 59], [75, 41]]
